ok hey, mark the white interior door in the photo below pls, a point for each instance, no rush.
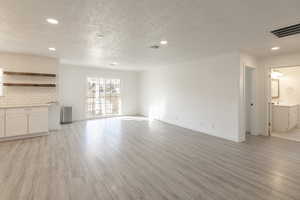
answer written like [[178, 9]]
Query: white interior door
[[250, 105], [270, 104]]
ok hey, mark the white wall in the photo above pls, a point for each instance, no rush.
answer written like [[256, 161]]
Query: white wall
[[28, 63], [289, 86], [73, 85], [202, 96]]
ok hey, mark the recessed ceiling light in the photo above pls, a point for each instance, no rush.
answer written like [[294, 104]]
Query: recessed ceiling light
[[275, 48], [163, 42], [52, 49], [52, 21], [114, 63]]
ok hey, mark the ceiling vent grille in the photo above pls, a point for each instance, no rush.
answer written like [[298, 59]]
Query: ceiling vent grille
[[287, 31], [154, 47]]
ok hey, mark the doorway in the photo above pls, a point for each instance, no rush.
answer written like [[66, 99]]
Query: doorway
[[284, 106]]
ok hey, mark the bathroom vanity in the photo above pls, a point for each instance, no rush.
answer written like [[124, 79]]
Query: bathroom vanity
[[20, 121], [284, 117]]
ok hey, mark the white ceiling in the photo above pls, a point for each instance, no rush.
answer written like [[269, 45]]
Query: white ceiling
[[194, 29]]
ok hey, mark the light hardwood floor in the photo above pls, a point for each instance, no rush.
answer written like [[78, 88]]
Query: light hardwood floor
[[293, 134], [131, 158]]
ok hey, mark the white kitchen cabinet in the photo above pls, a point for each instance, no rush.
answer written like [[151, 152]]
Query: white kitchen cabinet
[[16, 122], [38, 120], [54, 117], [285, 117], [23, 121], [293, 117], [2, 121]]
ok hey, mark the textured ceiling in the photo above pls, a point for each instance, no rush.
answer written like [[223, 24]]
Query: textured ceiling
[[194, 29]]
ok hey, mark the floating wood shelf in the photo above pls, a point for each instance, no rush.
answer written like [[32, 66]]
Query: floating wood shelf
[[29, 84], [29, 74]]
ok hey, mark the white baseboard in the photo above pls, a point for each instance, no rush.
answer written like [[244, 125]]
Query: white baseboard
[[21, 137]]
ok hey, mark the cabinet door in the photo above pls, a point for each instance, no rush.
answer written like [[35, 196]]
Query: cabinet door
[[16, 122], [280, 119], [293, 117], [38, 120], [2, 120]]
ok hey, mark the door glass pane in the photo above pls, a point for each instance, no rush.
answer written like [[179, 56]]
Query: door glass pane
[[103, 96]]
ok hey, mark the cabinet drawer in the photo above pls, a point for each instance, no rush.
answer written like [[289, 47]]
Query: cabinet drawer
[[16, 111]]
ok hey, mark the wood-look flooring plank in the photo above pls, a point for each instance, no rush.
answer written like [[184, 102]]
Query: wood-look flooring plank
[[131, 158]]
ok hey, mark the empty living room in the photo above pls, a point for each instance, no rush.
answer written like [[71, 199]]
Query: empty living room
[[149, 100]]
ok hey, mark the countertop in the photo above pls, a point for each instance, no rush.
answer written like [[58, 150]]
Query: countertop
[[25, 105], [286, 105]]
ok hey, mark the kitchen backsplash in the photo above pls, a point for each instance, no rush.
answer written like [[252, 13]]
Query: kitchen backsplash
[[27, 95]]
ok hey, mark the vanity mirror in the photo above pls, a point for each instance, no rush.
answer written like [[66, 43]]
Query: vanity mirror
[[275, 88]]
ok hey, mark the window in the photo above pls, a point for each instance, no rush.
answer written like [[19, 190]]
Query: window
[[103, 97]]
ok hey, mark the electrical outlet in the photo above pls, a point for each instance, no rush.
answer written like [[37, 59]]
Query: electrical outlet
[[213, 126]]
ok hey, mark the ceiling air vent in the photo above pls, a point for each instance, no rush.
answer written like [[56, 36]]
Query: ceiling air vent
[[287, 31], [154, 47]]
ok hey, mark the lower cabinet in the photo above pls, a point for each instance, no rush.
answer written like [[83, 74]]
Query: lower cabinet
[[16, 122], [22, 121], [284, 118], [38, 120], [2, 121]]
